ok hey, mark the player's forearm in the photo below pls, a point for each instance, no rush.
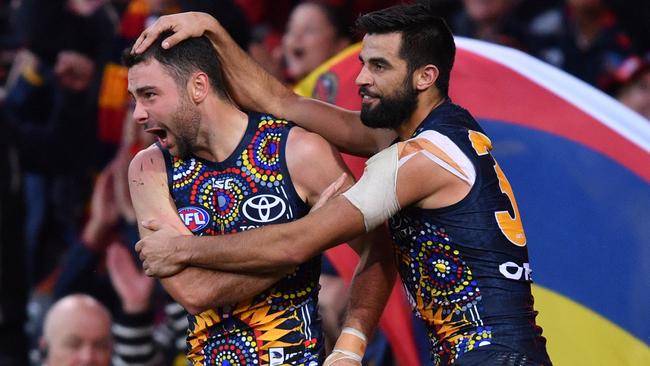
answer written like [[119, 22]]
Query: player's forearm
[[367, 302], [339, 126], [255, 251], [371, 287], [198, 289], [369, 292], [275, 247]]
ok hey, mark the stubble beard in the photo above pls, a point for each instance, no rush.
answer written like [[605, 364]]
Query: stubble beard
[[188, 120]]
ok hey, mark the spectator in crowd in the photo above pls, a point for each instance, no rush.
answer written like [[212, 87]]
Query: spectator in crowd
[[138, 339], [582, 38], [489, 20], [50, 109], [50, 112], [275, 22], [130, 295], [315, 32], [77, 331], [78, 328]]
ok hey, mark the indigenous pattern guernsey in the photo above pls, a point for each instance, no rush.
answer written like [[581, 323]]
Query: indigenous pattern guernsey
[[465, 267], [249, 189]]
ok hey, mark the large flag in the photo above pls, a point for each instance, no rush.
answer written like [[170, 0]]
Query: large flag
[[579, 163]]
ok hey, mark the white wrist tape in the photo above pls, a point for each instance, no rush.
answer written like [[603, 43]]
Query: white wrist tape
[[375, 194], [338, 355], [348, 354], [355, 332], [351, 345]]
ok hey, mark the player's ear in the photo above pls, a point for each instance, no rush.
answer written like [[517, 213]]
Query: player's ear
[[425, 77], [199, 87]]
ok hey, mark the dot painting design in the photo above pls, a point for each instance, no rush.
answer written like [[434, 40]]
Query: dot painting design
[[222, 194], [442, 287], [185, 172], [237, 348], [447, 352], [261, 159], [443, 277]]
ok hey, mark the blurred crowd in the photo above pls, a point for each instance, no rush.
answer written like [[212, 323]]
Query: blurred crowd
[[67, 227]]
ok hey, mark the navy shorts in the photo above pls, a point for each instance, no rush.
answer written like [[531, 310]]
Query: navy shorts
[[486, 357]]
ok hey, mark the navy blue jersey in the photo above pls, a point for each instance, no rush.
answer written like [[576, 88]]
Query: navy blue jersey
[[465, 267], [251, 188]]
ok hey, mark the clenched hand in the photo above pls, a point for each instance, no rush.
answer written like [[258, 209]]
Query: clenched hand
[[160, 252]]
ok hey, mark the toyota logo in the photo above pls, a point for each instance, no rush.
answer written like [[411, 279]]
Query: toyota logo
[[264, 208]]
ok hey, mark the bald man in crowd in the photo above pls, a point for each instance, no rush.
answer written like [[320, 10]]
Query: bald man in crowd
[[77, 332]]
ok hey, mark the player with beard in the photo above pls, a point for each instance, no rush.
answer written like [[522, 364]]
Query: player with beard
[[217, 170], [460, 243]]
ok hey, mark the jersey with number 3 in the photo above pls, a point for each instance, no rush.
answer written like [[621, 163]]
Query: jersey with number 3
[[251, 188], [465, 267]]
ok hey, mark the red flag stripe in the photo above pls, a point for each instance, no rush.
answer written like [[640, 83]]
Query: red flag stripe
[[580, 113]]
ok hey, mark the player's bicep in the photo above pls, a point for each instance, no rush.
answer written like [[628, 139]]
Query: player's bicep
[[149, 190], [433, 172], [416, 180]]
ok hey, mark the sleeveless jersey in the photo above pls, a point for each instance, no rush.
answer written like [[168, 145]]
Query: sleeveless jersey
[[249, 189], [465, 267]]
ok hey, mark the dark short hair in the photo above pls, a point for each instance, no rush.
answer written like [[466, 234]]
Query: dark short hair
[[185, 58], [426, 38]]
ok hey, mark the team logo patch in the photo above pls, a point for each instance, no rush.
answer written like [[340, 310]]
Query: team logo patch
[[276, 356], [264, 208], [326, 87], [194, 218]]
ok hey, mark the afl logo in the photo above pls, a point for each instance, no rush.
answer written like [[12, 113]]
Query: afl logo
[[264, 208], [194, 218]]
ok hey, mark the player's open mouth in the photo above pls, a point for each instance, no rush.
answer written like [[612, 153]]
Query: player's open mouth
[[160, 133]]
